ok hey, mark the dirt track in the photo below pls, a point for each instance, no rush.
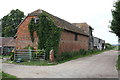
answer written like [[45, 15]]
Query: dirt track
[[97, 66]]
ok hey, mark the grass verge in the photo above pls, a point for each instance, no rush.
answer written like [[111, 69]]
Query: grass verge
[[67, 56], [0, 57], [0, 75], [118, 63], [35, 63], [5, 75], [78, 55]]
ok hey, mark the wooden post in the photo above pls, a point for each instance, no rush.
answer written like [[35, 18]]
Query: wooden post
[[51, 55], [30, 54], [14, 54]]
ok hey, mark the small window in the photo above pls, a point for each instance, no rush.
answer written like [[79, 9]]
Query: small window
[[76, 36], [36, 20]]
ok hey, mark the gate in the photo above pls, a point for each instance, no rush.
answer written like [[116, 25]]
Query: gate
[[28, 54]]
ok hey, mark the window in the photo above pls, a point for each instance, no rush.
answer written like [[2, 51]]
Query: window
[[76, 36], [36, 20]]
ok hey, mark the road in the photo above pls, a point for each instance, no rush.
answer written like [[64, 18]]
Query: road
[[96, 66]]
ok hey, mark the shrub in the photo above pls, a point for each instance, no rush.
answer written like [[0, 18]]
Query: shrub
[[29, 47], [69, 55], [39, 52], [92, 51], [82, 52]]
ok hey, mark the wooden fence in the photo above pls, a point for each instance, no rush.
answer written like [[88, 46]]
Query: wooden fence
[[28, 54]]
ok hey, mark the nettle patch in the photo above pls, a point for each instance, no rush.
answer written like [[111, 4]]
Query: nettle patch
[[48, 33]]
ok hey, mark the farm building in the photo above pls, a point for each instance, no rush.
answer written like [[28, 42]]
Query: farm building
[[99, 44], [72, 38], [88, 30], [7, 44]]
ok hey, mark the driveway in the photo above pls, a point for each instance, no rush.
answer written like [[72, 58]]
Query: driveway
[[96, 66]]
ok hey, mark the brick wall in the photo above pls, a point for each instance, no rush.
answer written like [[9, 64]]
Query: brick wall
[[23, 36], [68, 43], [67, 40]]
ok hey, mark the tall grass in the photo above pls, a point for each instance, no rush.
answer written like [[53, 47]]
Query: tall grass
[[118, 63], [66, 56], [119, 47]]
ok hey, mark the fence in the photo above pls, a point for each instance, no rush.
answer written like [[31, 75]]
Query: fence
[[28, 54]]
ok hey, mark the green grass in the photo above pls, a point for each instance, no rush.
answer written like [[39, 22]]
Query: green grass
[[117, 48], [89, 53], [67, 56], [7, 56], [35, 63], [0, 57], [47, 63], [118, 63], [5, 75], [0, 75]]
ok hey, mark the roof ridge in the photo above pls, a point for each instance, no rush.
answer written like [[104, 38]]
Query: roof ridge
[[59, 22], [38, 11]]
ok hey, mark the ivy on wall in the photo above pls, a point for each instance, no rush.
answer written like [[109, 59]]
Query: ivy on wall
[[31, 29], [48, 33]]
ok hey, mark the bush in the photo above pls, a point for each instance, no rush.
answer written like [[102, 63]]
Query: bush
[[92, 51], [82, 52], [29, 47], [69, 55], [109, 46]]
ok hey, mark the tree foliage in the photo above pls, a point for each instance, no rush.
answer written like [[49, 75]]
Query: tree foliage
[[10, 22], [115, 24], [48, 33]]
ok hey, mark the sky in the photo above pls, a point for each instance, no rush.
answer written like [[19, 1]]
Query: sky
[[97, 13]]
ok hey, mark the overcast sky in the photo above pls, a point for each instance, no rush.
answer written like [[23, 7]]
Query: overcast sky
[[97, 13]]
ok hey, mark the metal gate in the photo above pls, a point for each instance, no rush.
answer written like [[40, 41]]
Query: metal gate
[[28, 54]]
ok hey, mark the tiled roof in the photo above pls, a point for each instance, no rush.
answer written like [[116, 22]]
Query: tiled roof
[[84, 26], [60, 22], [9, 41]]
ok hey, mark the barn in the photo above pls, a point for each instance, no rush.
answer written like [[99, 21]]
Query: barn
[[72, 38]]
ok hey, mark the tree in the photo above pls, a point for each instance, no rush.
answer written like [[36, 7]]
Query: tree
[[10, 22], [0, 29], [115, 24]]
